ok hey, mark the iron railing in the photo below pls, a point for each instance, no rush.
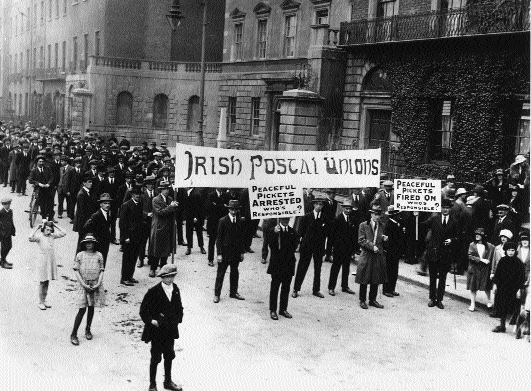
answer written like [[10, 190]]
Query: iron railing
[[479, 19], [151, 65]]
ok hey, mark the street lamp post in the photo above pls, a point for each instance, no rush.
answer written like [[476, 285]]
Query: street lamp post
[[174, 18]]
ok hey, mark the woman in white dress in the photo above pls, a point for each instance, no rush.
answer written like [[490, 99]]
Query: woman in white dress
[[46, 266]]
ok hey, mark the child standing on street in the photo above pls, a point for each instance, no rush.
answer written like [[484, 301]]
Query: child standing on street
[[46, 268], [90, 293]]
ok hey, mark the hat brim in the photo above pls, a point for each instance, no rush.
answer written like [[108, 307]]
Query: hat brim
[[89, 241], [232, 206], [105, 200], [167, 274]]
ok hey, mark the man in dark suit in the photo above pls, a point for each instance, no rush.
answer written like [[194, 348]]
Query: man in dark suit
[[7, 230], [4, 161], [73, 180], [88, 159], [330, 205], [132, 229], [194, 215], [441, 250], [42, 177], [110, 186], [395, 248], [341, 245], [22, 162], [100, 224], [283, 242], [147, 212], [215, 210], [86, 206], [502, 222], [313, 230], [162, 311], [230, 247], [363, 202]]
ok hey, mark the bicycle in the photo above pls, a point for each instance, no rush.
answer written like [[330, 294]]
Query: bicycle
[[33, 206]]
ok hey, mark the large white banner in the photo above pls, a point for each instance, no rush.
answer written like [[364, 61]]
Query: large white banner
[[275, 201], [214, 167], [417, 195]]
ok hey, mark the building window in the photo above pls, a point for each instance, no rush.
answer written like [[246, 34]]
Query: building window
[[56, 57], [192, 119], [441, 133], [16, 25], [28, 21], [74, 54], [290, 29], [238, 43], [56, 8], [64, 57], [41, 57], [386, 8], [50, 8], [255, 116], [231, 114], [34, 58], [42, 12], [21, 61], [35, 14], [160, 111], [49, 56], [518, 139], [97, 43], [65, 7], [27, 59], [321, 16], [262, 38], [124, 108], [85, 50], [15, 63]]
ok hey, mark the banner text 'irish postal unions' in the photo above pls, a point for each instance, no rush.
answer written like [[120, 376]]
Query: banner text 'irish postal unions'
[[214, 167], [417, 195], [275, 201]]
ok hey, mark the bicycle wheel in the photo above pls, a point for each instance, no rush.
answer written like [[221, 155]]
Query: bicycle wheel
[[34, 209]]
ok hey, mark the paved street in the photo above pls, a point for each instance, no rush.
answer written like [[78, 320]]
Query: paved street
[[330, 344]]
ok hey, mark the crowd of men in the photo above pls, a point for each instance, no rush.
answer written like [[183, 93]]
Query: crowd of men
[[103, 179]]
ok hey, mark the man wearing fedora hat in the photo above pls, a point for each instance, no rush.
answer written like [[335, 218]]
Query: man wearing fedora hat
[[503, 221], [100, 223], [341, 245], [7, 230], [313, 230], [42, 177], [371, 268], [131, 234], [162, 237], [230, 246], [147, 211], [162, 312]]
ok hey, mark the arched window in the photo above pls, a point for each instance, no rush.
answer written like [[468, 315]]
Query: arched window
[[160, 111], [124, 108], [376, 80], [193, 113]]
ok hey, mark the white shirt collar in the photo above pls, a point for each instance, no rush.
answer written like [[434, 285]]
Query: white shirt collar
[[168, 289], [316, 214], [163, 197]]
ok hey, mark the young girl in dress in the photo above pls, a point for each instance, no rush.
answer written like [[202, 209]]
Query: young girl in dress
[[90, 293], [46, 268]]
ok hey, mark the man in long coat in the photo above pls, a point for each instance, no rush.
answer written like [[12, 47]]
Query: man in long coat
[[131, 233], [100, 224], [22, 162], [7, 230], [162, 238], [283, 242], [86, 206], [371, 263], [42, 177]]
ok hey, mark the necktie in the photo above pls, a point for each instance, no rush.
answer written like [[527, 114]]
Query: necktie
[[318, 215], [40, 170], [108, 215], [348, 220], [375, 231], [444, 221]]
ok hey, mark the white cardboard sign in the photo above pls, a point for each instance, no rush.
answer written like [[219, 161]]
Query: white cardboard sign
[[417, 195], [275, 201]]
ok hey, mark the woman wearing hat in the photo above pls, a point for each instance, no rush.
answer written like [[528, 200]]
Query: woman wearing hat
[[162, 311], [89, 269], [480, 256], [509, 278], [46, 267], [518, 204]]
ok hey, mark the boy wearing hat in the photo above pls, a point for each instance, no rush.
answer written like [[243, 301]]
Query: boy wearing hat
[[441, 251], [230, 245], [162, 311], [100, 224], [7, 230]]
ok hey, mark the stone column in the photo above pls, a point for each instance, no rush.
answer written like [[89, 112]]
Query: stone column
[[299, 118], [222, 130]]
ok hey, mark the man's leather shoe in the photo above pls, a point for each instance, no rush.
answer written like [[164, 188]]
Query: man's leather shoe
[[152, 273], [249, 250], [211, 263], [169, 385], [152, 387], [440, 305], [188, 251], [140, 264], [286, 314], [331, 292], [216, 299], [74, 340], [134, 281], [395, 293], [256, 236], [237, 296], [274, 315], [126, 283], [295, 294], [348, 290], [5, 265], [264, 261], [498, 329], [115, 242], [9, 263], [374, 303], [182, 244], [203, 250], [494, 315], [387, 294], [318, 294], [364, 305], [431, 303], [60, 216], [88, 334]]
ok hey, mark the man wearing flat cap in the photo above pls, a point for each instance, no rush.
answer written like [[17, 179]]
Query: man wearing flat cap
[[7, 230], [100, 224], [162, 312], [385, 196]]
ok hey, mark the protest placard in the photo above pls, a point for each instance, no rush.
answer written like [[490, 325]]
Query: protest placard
[[275, 201], [417, 195], [215, 167]]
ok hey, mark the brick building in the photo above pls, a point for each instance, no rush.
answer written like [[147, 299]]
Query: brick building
[[107, 65]]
